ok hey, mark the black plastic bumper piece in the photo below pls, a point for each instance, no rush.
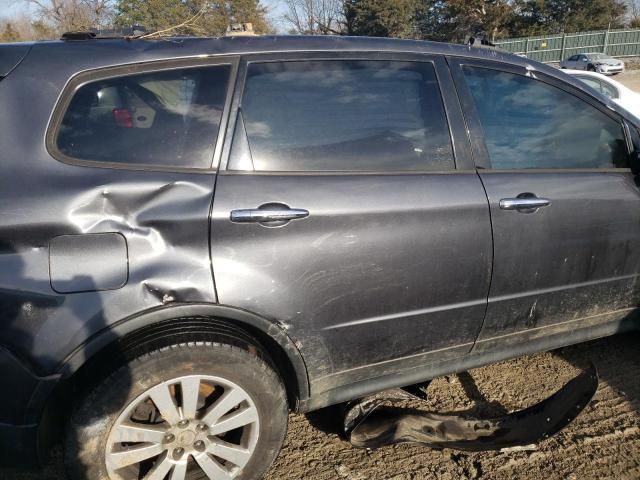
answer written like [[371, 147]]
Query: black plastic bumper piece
[[368, 426], [21, 411]]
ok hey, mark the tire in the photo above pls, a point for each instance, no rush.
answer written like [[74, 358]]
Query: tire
[[222, 373]]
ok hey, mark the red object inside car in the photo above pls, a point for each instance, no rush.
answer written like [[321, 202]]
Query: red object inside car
[[123, 117]]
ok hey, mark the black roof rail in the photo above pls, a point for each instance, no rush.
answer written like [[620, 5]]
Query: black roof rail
[[122, 32], [78, 36]]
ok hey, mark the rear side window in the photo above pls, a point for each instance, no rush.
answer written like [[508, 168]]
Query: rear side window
[[345, 116], [530, 124], [168, 118]]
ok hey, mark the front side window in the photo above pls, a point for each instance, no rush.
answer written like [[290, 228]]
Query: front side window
[[530, 124], [167, 118], [345, 116]]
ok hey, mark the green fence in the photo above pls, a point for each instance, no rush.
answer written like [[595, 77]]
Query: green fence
[[553, 48]]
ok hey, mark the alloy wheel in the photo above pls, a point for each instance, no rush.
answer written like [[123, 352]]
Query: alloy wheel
[[188, 428]]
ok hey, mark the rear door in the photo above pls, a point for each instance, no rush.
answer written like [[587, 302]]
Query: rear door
[[565, 207], [341, 213]]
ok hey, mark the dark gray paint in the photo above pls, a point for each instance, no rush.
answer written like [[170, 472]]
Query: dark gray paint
[[10, 57], [89, 262], [367, 276], [395, 268], [576, 258]]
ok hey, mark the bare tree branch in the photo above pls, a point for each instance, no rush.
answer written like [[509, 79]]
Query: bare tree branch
[[315, 16], [69, 15], [190, 23]]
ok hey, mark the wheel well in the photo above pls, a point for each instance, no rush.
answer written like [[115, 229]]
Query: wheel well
[[186, 329]]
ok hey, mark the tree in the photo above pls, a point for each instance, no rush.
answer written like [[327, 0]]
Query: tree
[[382, 18], [315, 17], [433, 21], [474, 16], [152, 14], [211, 17], [634, 13], [72, 15], [9, 33], [553, 16]]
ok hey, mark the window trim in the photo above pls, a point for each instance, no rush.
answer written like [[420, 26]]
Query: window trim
[[453, 114], [88, 76], [476, 132]]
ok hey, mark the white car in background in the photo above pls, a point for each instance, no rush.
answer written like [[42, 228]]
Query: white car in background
[[617, 92], [594, 62]]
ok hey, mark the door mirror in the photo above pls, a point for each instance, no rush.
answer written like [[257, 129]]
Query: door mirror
[[584, 59]]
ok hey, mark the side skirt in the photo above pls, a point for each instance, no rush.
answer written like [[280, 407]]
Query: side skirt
[[484, 353]]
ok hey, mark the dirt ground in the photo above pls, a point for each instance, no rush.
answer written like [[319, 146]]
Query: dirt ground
[[630, 78], [603, 442]]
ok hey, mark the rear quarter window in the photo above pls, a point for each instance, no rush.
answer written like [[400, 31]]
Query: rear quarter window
[[165, 118]]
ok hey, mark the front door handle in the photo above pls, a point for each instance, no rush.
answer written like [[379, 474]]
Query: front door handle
[[268, 213], [524, 203]]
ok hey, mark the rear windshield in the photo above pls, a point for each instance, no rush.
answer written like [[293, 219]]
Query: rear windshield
[[168, 118]]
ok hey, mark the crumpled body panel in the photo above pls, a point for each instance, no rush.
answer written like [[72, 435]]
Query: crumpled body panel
[[163, 217]]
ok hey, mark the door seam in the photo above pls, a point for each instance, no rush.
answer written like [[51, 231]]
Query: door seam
[[491, 264]]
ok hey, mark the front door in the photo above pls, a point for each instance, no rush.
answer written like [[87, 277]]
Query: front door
[[565, 207], [342, 216]]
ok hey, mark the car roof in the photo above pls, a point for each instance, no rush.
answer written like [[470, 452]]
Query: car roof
[[190, 46], [72, 56]]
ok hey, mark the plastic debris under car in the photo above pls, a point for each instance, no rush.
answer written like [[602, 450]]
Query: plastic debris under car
[[369, 424]]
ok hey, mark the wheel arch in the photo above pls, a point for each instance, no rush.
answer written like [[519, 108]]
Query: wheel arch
[[272, 338]]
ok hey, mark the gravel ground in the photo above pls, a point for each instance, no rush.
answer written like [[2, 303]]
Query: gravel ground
[[603, 442]]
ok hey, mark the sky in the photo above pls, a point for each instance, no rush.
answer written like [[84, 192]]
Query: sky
[[9, 8]]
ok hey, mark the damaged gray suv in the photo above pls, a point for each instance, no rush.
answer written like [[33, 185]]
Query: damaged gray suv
[[198, 236]]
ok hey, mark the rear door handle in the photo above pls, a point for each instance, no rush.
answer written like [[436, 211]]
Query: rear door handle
[[266, 215], [524, 203]]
